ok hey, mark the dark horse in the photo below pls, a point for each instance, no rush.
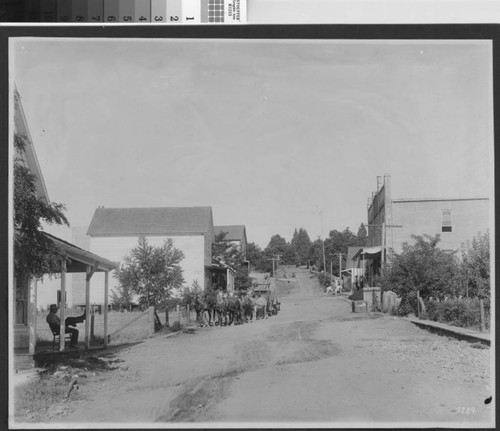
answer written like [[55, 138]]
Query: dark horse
[[247, 308], [233, 310], [205, 304], [220, 308]]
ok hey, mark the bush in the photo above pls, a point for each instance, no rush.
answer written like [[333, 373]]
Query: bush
[[404, 308], [463, 312]]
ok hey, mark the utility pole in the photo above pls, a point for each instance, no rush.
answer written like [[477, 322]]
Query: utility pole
[[340, 264], [276, 258], [323, 242]]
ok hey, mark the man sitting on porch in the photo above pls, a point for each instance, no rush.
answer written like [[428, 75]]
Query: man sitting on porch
[[55, 323]]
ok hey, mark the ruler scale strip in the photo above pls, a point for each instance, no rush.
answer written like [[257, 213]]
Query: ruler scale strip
[[111, 11], [159, 11], [174, 11], [64, 11], [142, 11], [79, 10], [126, 10], [95, 11], [136, 11]]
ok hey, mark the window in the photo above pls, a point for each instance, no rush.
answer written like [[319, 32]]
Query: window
[[446, 221]]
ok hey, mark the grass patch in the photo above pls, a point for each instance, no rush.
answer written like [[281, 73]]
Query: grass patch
[[34, 400]]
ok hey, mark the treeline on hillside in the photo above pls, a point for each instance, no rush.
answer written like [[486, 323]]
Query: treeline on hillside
[[302, 251]]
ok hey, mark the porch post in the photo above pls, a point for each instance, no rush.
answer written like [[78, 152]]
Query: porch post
[[106, 288], [32, 317], [62, 309], [87, 307]]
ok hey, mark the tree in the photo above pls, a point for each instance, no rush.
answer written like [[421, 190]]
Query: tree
[[474, 266], [152, 272], [230, 254], [301, 244], [338, 242], [191, 294], [362, 236], [34, 253], [316, 254], [257, 259], [122, 296], [279, 246], [422, 267]]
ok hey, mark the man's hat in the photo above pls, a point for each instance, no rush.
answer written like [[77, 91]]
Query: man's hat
[[53, 307]]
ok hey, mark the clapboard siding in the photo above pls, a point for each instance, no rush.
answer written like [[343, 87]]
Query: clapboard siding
[[116, 248]]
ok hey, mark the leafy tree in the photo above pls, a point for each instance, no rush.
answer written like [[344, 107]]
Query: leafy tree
[[152, 272], [34, 253], [316, 254], [475, 266], [190, 294], [230, 254], [279, 246], [301, 244], [122, 296], [422, 266], [337, 243], [257, 258], [362, 236]]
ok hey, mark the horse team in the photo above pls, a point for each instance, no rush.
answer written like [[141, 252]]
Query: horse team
[[220, 309]]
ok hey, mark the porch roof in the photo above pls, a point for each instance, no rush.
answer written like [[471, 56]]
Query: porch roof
[[80, 259], [368, 252], [219, 267]]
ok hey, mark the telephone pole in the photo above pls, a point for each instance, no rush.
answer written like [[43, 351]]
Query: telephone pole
[[276, 258], [340, 263], [323, 242]]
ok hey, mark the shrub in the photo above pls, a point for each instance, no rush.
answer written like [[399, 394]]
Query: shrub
[[463, 312], [404, 307]]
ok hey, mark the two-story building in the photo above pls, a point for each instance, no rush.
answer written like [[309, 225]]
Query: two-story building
[[391, 222], [114, 232], [23, 339]]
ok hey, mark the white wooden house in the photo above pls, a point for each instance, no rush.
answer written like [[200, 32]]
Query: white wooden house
[[114, 232], [23, 313]]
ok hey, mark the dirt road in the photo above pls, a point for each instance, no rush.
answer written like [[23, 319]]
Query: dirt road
[[315, 362]]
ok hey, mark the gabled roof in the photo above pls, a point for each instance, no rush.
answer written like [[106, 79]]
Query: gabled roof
[[29, 155], [233, 232], [151, 221], [351, 252]]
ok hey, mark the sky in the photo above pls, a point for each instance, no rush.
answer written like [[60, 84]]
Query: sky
[[274, 135]]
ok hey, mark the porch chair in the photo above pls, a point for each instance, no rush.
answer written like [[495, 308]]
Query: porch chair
[[55, 333]]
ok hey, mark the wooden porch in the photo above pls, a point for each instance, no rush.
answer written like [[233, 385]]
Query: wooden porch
[[78, 260]]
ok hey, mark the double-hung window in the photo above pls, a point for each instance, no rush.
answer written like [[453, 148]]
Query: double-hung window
[[445, 220]]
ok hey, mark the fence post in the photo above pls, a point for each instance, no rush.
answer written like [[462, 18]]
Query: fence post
[[418, 304], [166, 318], [188, 316], [151, 321], [179, 314], [481, 310]]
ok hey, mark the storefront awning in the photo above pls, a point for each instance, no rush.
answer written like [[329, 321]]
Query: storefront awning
[[368, 252]]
